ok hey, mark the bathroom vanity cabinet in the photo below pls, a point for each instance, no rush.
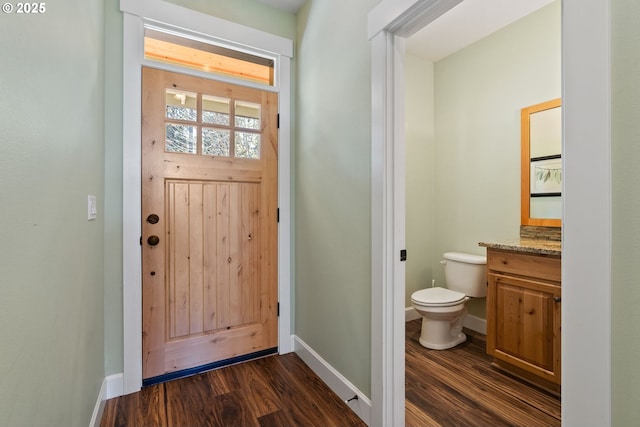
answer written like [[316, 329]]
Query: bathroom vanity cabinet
[[523, 314]]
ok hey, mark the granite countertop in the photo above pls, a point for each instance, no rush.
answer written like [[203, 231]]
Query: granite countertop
[[535, 246]]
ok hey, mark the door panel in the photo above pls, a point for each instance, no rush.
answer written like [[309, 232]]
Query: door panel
[[209, 171], [220, 229], [524, 322]]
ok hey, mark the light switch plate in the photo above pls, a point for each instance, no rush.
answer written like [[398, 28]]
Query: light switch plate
[[92, 209]]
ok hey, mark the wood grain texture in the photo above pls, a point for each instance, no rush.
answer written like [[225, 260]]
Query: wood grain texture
[[524, 314], [527, 265], [268, 392], [525, 164], [210, 280], [458, 387], [200, 56]]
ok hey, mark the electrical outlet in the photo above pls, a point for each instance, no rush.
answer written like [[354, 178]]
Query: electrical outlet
[[92, 208]]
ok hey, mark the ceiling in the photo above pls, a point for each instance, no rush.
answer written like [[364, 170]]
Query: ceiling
[[286, 5], [466, 23]]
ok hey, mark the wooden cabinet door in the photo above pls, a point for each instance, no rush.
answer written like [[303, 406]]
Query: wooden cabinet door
[[523, 317]]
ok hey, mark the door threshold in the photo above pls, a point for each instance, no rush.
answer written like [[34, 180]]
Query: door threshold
[[183, 373]]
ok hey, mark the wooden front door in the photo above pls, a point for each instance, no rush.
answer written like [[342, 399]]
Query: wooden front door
[[209, 221]]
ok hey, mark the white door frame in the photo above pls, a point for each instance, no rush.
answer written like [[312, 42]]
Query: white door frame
[[137, 13], [586, 275]]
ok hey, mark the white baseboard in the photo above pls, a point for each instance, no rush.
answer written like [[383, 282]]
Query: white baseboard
[[291, 346], [115, 385], [475, 323], [410, 314], [336, 382], [112, 386], [96, 417]]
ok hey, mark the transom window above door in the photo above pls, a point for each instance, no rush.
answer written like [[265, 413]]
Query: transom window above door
[[199, 55], [208, 125]]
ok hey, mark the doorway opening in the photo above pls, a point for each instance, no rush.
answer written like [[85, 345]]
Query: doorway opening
[[178, 20], [463, 133], [587, 256]]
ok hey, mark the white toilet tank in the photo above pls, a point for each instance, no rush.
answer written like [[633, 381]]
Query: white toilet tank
[[466, 273]]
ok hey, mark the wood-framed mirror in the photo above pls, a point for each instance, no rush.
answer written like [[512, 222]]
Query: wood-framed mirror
[[541, 164]]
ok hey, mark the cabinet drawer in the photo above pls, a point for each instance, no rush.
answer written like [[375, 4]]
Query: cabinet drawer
[[542, 267]]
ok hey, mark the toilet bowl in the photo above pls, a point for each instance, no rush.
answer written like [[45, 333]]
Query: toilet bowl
[[442, 312], [443, 309]]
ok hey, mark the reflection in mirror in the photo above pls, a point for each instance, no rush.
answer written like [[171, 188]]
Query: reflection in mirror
[[541, 162]]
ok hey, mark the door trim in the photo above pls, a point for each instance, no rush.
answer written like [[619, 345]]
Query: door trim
[[586, 272], [136, 13]]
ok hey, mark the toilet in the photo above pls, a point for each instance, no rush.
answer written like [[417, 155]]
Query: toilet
[[443, 309]]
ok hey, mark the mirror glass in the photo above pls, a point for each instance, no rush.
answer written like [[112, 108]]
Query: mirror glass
[[541, 160]]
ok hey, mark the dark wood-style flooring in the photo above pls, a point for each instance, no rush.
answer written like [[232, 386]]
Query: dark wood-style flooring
[[458, 387], [275, 391]]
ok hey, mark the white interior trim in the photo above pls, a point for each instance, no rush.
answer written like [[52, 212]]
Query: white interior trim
[[410, 314], [586, 258], [336, 381], [475, 323], [198, 22], [98, 409], [136, 13], [387, 327], [115, 385], [586, 273], [405, 17]]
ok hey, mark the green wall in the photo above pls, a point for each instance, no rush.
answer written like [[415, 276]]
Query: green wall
[[113, 338], [332, 170], [332, 198], [250, 13], [51, 256], [420, 175], [61, 110], [479, 92], [625, 100]]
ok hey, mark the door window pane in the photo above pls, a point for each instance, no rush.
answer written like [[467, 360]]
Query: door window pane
[[215, 110], [181, 138], [215, 142], [247, 145], [181, 105], [247, 115]]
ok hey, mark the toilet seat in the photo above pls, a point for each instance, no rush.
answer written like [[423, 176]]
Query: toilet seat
[[437, 297]]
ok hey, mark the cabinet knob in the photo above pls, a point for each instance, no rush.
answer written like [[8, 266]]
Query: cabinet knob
[[557, 299]]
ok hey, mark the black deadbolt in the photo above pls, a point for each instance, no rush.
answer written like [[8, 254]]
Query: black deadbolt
[[153, 219]]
